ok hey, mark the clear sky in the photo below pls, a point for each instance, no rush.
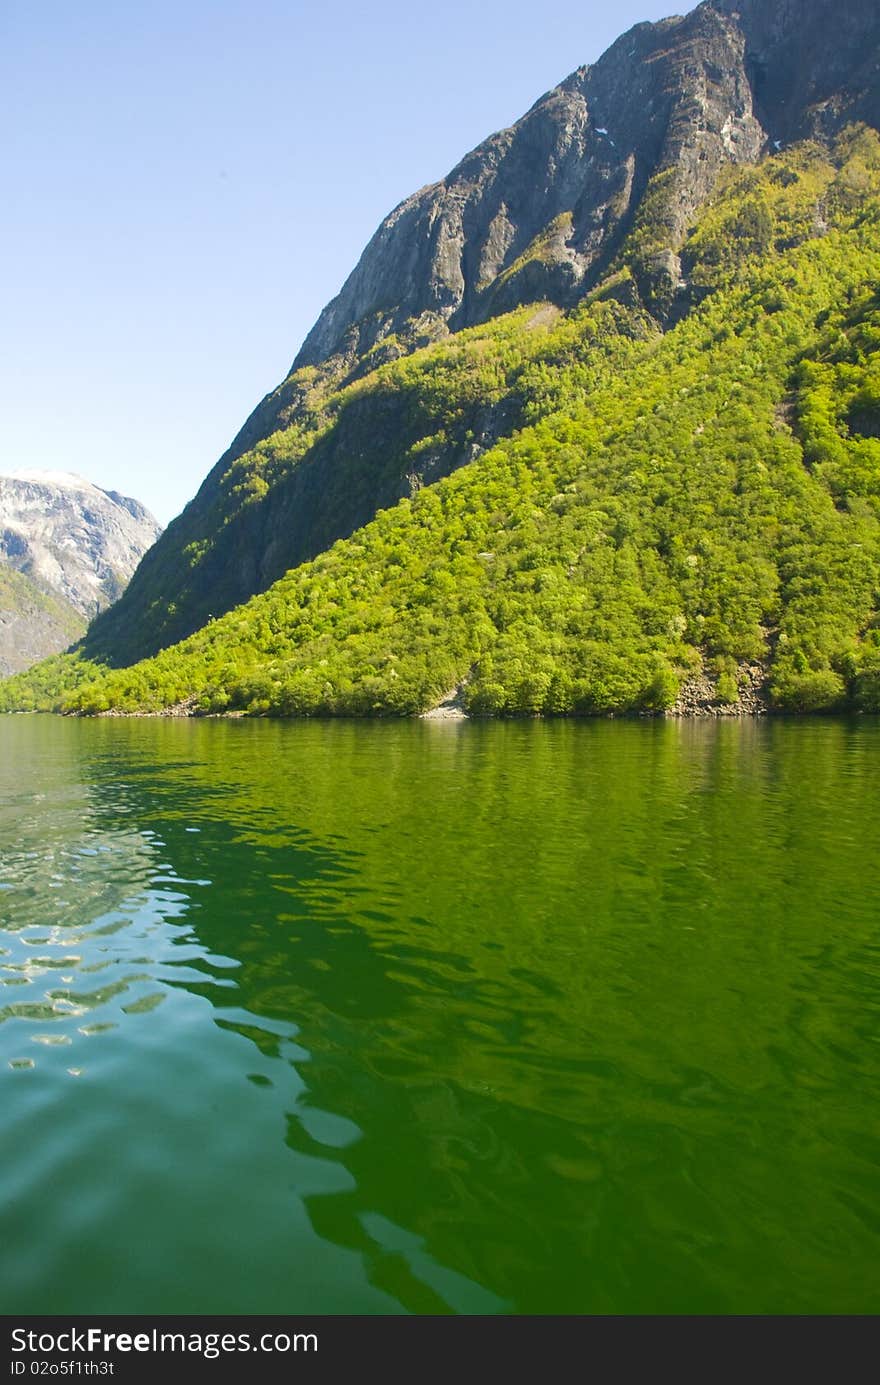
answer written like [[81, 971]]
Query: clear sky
[[186, 183]]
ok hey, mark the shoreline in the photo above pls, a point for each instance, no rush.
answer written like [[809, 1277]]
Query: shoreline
[[697, 701], [458, 717]]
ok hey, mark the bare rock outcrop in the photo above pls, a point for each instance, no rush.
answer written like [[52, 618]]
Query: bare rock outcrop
[[67, 549]]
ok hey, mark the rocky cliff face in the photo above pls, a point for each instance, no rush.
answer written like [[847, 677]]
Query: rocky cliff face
[[67, 550], [813, 65], [610, 167], [539, 210]]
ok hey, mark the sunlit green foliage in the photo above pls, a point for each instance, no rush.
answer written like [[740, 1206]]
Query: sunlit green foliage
[[660, 503], [22, 596]]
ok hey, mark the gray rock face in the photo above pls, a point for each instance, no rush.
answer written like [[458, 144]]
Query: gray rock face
[[813, 65], [74, 546], [539, 210]]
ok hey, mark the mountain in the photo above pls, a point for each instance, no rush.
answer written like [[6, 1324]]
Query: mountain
[[592, 425], [67, 550], [34, 622], [539, 211], [609, 167]]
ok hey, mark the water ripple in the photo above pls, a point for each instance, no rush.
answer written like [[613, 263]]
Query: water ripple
[[524, 1018]]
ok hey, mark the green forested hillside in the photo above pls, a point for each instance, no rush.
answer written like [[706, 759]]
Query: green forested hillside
[[664, 502], [33, 620]]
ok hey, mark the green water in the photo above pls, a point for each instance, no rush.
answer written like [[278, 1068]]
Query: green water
[[529, 1017]]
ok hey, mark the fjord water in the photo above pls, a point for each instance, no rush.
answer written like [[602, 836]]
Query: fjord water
[[439, 1017]]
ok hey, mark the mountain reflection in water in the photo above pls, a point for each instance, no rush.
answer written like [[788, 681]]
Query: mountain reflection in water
[[438, 1018]]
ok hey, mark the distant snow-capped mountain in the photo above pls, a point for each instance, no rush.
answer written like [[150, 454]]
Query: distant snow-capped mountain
[[67, 550]]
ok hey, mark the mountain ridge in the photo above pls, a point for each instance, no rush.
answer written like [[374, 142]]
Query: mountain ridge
[[716, 55]]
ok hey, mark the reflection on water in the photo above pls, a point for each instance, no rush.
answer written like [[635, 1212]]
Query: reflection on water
[[438, 1017]]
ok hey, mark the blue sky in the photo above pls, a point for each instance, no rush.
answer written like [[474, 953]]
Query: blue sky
[[185, 184]]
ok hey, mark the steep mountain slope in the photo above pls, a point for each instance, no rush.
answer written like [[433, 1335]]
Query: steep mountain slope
[[606, 172], [688, 517], [34, 622], [67, 550], [539, 210]]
